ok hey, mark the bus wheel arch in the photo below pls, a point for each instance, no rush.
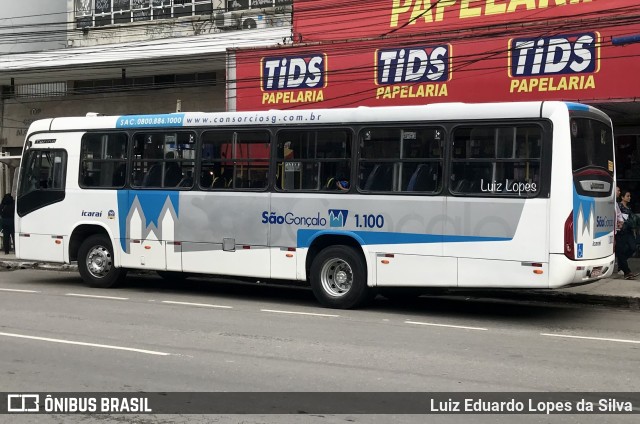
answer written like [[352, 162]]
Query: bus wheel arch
[[96, 262], [337, 272], [322, 242], [80, 234]]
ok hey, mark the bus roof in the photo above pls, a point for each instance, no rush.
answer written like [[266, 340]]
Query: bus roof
[[362, 114]]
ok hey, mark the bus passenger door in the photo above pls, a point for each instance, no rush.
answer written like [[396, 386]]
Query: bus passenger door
[[40, 203]]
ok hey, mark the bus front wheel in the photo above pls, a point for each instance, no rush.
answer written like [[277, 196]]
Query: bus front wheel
[[95, 263], [338, 278]]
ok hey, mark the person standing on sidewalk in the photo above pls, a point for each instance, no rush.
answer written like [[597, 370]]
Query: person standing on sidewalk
[[7, 210], [619, 221], [625, 237], [619, 218]]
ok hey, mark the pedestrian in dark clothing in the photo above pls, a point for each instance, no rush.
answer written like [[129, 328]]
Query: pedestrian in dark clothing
[[625, 237], [7, 210]]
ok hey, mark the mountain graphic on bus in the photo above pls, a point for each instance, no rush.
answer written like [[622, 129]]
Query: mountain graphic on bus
[[145, 213], [338, 217], [583, 213]]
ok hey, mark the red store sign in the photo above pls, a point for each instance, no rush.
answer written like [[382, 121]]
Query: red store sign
[[570, 62]]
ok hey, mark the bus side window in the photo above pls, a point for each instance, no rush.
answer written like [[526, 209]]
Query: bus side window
[[309, 159], [120, 175], [489, 159], [164, 159], [235, 160], [172, 172], [186, 181], [153, 177], [401, 159], [378, 179], [103, 160], [424, 178]]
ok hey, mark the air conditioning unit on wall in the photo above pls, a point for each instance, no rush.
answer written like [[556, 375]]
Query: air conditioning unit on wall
[[253, 21], [226, 20], [240, 20]]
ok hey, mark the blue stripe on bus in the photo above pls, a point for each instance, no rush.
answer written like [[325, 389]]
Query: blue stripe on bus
[[306, 237], [151, 121], [577, 107]]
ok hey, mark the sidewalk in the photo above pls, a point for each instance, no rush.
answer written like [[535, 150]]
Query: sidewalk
[[614, 291], [11, 262]]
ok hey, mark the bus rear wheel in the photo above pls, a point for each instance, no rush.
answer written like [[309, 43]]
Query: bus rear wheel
[[95, 263], [338, 278]]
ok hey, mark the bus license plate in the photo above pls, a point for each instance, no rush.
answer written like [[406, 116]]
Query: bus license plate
[[596, 272]]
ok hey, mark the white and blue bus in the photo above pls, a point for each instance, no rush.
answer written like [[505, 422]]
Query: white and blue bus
[[504, 195]]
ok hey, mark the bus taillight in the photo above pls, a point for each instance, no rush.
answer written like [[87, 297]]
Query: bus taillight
[[569, 241]]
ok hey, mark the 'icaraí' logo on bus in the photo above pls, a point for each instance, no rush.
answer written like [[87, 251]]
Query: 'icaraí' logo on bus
[[293, 79], [424, 71], [558, 63]]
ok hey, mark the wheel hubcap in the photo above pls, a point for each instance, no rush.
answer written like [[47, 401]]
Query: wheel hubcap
[[99, 261], [336, 277]]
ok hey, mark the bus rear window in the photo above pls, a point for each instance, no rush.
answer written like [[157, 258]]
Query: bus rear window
[[591, 145]]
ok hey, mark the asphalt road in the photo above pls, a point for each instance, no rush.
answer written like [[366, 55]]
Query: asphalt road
[[58, 335]]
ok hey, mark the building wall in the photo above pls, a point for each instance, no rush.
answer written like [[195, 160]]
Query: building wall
[[84, 30]]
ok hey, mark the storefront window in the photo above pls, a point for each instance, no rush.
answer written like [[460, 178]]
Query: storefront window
[[628, 166]]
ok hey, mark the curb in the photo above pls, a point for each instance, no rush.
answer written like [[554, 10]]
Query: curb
[[13, 265]]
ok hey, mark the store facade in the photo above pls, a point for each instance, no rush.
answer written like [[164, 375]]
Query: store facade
[[408, 52]]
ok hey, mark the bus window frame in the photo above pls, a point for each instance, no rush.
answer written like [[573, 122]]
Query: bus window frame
[[168, 130], [443, 160], [546, 151], [126, 160], [350, 131], [233, 160]]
